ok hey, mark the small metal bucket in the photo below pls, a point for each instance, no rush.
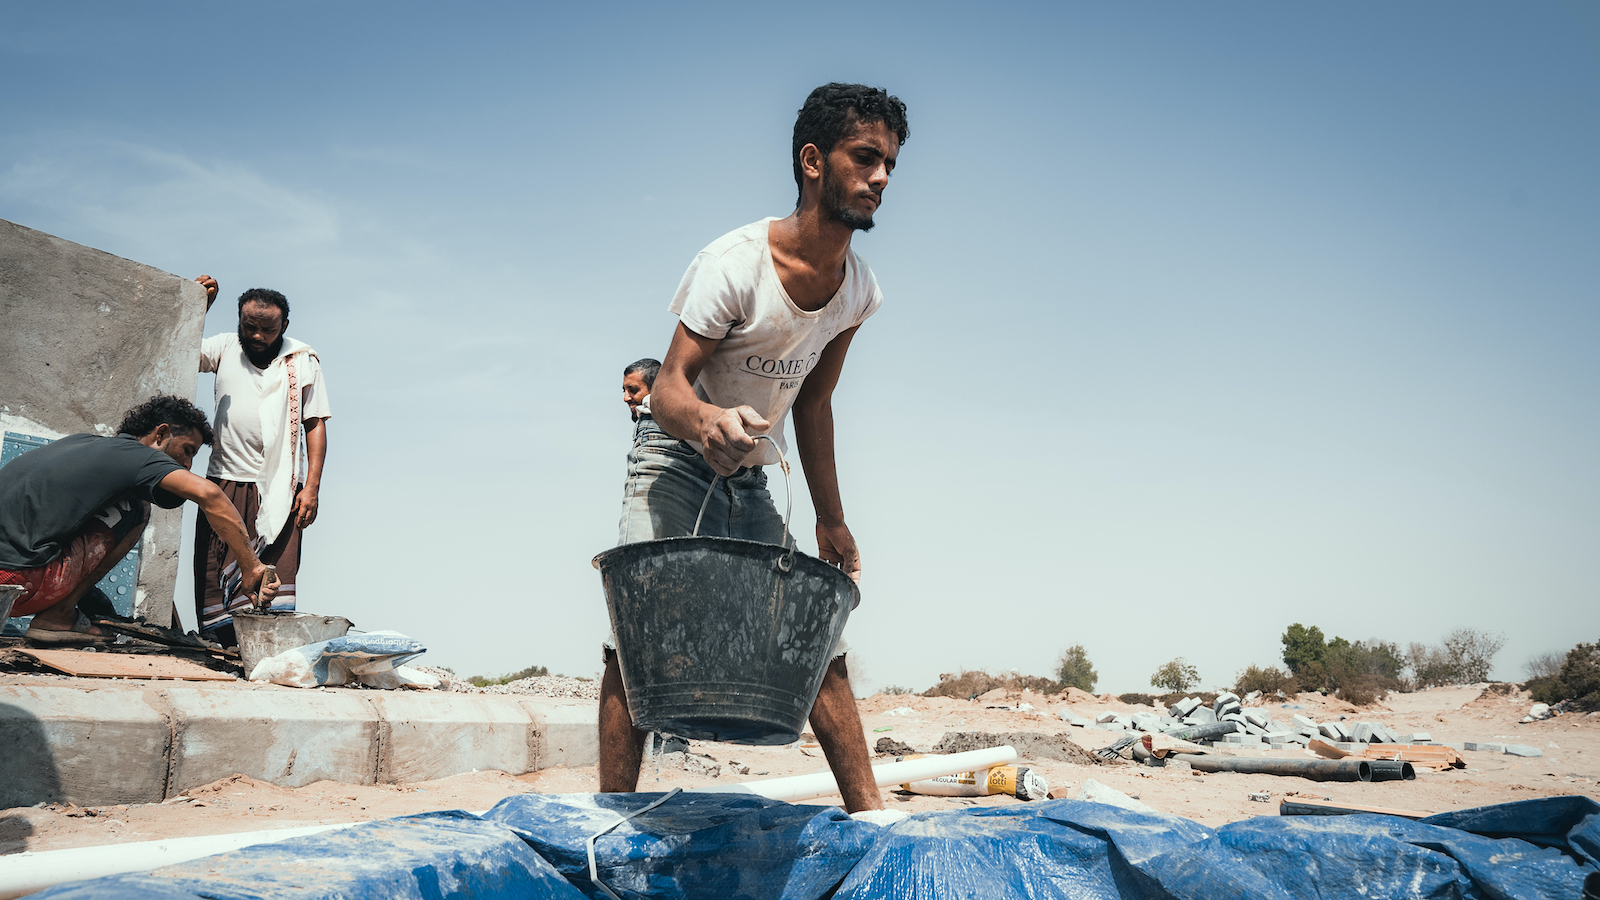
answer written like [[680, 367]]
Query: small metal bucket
[[722, 639]]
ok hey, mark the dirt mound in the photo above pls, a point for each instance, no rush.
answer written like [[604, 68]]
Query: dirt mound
[[1029, 744], [891, 747]]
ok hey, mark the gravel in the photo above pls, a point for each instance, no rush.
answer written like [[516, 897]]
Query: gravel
[[540, 686]]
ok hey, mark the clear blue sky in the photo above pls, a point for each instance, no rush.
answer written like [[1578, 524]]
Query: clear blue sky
[[1200, 320]]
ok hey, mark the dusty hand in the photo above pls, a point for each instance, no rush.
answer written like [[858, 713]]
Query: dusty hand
[[263, 592], [726, 440], [835, 544], [210, 284], [304, 511]]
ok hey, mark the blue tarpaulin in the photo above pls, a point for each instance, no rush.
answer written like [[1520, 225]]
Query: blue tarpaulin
[[735, 846]]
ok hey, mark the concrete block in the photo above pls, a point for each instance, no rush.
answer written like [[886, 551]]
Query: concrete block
[[432, 735], [567, 733], [1203, 715], [1072, 718], [1362, 732], [1304, 724], [1281, 737], [1350, 746], [1224, 698], [1389, 735], [1253, 728], [92, 748], [1223, 708], [1333, 731], [1184, 707], [1106, 718], [1482, 747], [1146, 722], [1257, 717], [286, 737], [1416, 737], [1232, 717], [1523, 750], [114, 332]]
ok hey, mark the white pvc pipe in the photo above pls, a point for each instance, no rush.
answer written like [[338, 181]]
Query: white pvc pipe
[[794, 788], [23, 873]]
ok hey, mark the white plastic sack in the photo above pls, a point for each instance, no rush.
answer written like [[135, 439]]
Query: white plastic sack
[[375, 659]]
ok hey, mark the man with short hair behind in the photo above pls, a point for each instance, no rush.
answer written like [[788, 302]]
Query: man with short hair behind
[[766, 315], [72, 509], [637, 380], [269, 386]]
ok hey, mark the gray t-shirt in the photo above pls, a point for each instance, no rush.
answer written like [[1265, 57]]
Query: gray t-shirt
[[49, 494]]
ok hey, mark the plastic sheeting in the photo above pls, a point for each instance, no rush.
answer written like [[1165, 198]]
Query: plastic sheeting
[[427, 857], [738, 846], [694, 845]]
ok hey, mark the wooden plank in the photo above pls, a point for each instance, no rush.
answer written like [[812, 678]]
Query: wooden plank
[[1304, 806], [1434, 756], [124, 665], [1323, 748]]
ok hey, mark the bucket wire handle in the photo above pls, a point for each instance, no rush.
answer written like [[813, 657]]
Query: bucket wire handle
[[786, 561]]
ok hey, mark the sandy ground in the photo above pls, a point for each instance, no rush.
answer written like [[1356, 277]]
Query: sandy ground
[[1570, 765]]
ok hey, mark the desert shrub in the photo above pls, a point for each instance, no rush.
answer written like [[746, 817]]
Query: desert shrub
[[1137, 699], [529, 672], [1075, 670], [970, 683], [1578, 681], [1544, 665], [1269, 680], [895, 689], [1176, 675], [1472, 652], [1302, 648]]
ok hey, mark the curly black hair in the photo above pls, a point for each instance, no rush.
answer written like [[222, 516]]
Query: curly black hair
[[267, 296], [834, 109], [647, 368], [176, 413]]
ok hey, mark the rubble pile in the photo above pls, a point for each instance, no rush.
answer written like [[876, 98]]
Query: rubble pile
[[1252, 725]]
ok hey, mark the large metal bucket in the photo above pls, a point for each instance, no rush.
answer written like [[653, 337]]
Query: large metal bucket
[[722, 639], [266, 634]]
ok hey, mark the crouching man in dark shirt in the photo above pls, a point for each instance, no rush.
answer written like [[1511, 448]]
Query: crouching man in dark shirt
[[72, 509]]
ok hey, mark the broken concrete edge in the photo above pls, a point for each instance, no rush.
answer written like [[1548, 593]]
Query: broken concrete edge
[[103, 747]]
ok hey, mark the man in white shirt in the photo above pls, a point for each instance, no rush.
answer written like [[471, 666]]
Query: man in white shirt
[[766, 315], [269, 388]]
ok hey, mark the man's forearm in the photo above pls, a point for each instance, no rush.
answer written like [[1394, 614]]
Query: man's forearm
[[677, 409], [316, 451], [226, 523], [813, 431]]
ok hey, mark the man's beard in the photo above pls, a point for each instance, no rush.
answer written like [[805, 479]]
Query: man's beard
[[833, 203], [270, 353]]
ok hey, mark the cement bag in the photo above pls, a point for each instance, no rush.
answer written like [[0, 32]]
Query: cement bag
[[693, 845], [374, 659]]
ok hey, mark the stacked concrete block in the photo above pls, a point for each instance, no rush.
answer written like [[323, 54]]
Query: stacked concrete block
[[1522, 750], [1482, 747], [1147, 722], [1205, 715], [1416, 737], [1257, 717], [1333, 731], [1227, 703], [1184, 707], [1304, 725]]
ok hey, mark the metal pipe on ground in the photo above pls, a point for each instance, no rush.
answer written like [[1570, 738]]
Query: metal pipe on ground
[[1392, 770], [1314, 769], [1202, 732]]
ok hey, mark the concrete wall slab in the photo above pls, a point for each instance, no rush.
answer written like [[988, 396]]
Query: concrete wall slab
[[88, 336], [92, 748], [431, 736], [287, 738], [569, 733]]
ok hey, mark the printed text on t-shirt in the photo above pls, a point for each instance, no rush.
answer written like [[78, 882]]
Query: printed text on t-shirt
[[780, 368]]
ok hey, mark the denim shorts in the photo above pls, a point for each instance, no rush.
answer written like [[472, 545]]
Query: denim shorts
[[667, 484]]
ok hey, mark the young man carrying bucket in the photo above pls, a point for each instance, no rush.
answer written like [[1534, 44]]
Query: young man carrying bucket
[[766, 316]]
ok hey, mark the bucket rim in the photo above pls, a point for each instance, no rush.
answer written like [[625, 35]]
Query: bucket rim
[[820, 568]]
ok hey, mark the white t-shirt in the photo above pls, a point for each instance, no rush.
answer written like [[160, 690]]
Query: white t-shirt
[[768, 345], [237, 453]]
